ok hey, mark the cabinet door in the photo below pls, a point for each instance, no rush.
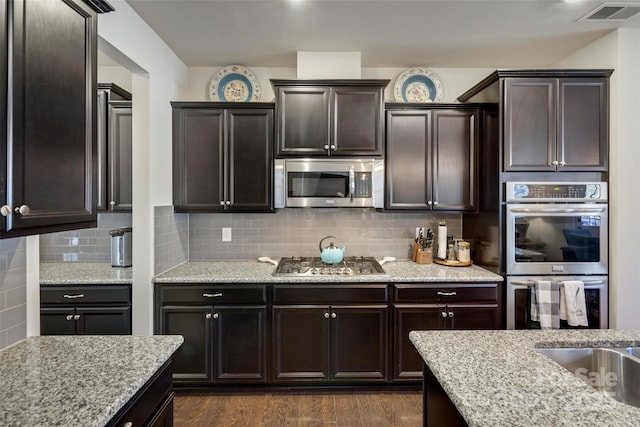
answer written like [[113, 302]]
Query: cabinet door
[[198, 159], [102, 126], [407, 361], [529, 124], [192, 361], [103, 320], [357, 120], [120, 156], [583, 124], [50, 155], [302, 126], [407, 165], [250, 163], [300, 343], [57, 321], [240, 344], [454, 160], [359, 343], [473, 317]]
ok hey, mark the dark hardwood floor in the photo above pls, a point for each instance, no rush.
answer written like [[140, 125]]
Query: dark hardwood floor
[[304, 408]]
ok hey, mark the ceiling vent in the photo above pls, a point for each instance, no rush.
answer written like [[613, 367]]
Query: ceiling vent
[[612, 12]]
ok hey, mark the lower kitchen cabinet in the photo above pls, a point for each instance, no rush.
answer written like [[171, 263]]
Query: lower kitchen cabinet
[[224, 330], [342, 340], [85, 310], [433, 306]]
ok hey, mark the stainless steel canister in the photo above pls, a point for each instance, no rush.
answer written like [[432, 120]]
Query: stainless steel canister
[[121, 247]]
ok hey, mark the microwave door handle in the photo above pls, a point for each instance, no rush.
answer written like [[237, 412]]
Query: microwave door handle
[[352, 183], [556, 210]]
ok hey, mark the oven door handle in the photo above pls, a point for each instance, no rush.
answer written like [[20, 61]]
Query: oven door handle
[[531, 282], [556, 210]]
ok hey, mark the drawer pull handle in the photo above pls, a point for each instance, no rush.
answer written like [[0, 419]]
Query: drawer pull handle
[[212, 295], [67, 296], [448, 294]]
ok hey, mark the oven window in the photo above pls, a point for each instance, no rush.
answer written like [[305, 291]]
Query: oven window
[[566, 239], [318, 184], [522, 309]]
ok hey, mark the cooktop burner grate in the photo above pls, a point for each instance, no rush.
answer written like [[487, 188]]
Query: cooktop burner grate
[[313, 266]]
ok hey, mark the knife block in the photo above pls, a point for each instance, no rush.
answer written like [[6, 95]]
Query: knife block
[[422, 256]]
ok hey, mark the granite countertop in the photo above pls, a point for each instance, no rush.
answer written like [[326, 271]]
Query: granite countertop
[[250, 271], [83, 273], [76, 380], [497, 378]]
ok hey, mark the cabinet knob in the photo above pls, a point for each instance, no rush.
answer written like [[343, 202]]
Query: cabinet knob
[[451, 314], [326, 146], [429, 202], [6, 210], [221, 202], [554, 163], [227, 203], [326, 315], [128, 424], [207, 316], [333, 147], [435, 203], [76, 317], [333, 315], [69, 316], [444, 314], [216, 315], [562, 163], [112, 203], [23, 210]]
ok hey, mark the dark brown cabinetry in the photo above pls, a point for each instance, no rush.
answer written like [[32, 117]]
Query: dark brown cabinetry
[[222, 157], [115, 156], [431, 157], [555, 124], [330, 333], [48, 119], [437, 306], [224, 330], [85, 310], [329, 117]]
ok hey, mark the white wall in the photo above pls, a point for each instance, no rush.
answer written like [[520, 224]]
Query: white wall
[[115, 74], [158, 77], [619, 50]]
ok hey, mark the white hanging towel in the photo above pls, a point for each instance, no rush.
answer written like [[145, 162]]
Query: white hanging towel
[[573, 307]]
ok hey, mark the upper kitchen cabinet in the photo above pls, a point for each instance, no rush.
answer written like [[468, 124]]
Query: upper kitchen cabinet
[[329, 117], [431, 159], [48, 115], [556, 120], [115, 162], [222, 157]]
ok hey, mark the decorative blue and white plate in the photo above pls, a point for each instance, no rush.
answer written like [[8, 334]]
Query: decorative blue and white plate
[[234, 83], [417, 85]]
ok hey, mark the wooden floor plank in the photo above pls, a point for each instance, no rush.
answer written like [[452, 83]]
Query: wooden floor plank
[[299, 409]]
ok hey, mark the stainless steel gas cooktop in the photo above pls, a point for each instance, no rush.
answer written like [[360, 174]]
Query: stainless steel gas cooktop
[[313, 266]]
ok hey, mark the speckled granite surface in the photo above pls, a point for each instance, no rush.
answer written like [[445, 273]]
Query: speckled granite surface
[[76, 380], [83, 273], [497, 378], [401, 271]]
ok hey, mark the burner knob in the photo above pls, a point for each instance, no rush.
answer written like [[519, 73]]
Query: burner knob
[[314, 271], [348, 271]]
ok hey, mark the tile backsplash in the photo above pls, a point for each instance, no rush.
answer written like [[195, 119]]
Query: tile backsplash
[[171, 238], [13, 291], [297, 232], [86, 245]]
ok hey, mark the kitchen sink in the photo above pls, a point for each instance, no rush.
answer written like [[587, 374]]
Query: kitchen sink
[[614, 372]]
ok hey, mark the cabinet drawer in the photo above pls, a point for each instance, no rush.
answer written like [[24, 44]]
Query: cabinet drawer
[[78, 295], [329, 294], [437, 293], [208, 294]]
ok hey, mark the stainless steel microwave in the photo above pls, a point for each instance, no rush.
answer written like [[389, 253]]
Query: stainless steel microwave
[[325, 183]]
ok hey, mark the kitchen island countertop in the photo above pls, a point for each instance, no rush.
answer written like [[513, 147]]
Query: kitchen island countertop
[[497, 378], [249, 271], [76, 380], [83, 273]]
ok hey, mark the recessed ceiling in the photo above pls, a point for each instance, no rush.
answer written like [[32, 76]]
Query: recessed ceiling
[[388, 33]]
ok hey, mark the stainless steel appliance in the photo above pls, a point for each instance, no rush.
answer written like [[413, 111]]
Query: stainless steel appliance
[[121, 240], [313, 266], [331, 182], [556, 231]]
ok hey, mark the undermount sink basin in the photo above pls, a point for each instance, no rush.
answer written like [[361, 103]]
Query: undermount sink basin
[[614, 372]]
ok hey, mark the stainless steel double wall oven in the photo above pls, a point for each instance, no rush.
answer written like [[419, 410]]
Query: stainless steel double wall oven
[[556, 231]]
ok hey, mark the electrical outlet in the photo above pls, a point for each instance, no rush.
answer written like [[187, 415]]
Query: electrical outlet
[[226, 234]]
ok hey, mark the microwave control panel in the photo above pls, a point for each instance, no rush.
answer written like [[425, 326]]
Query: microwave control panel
[[556, 192]]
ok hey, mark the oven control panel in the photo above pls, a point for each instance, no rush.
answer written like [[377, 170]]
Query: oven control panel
[[556, 192]]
